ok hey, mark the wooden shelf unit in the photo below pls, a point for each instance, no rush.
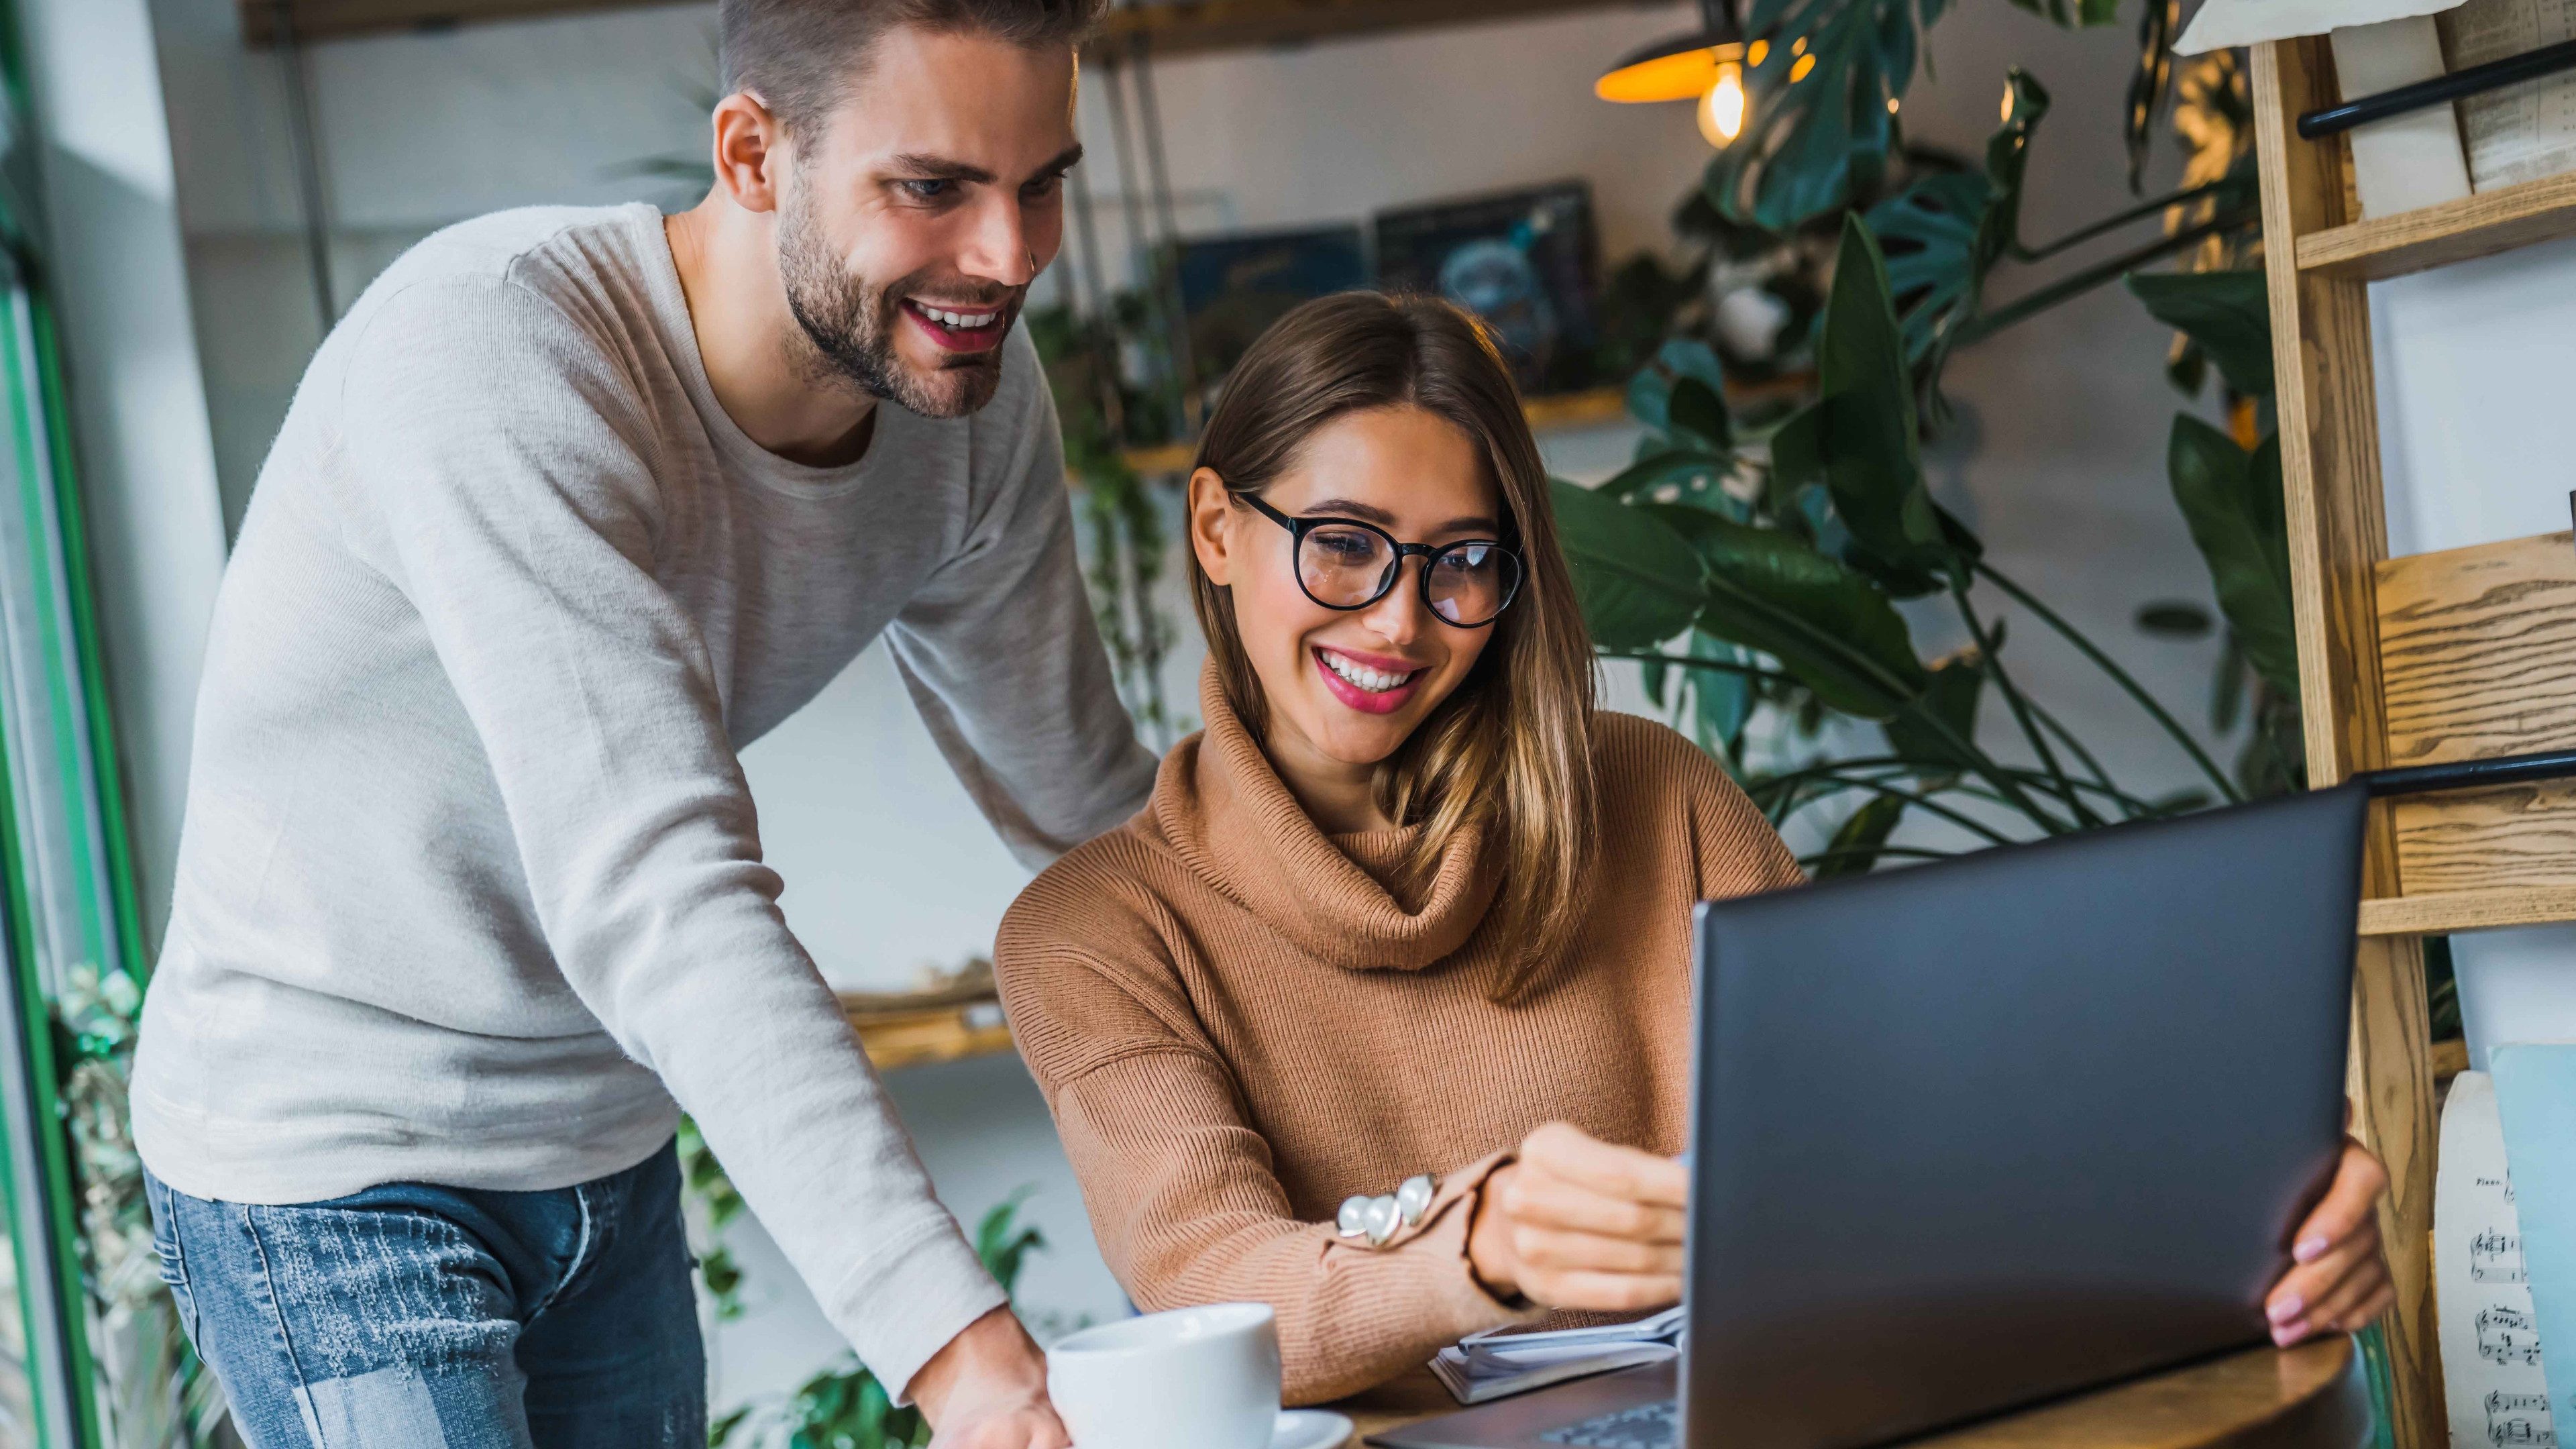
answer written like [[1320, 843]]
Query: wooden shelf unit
[[2430, 659], [2475, 226], [896, 1039], [1190, 27]]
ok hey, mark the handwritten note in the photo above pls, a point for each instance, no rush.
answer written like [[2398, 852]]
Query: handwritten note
[[2491, 1343]]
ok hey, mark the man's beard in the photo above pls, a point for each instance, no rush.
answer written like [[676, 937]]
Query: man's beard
[[852, 324]]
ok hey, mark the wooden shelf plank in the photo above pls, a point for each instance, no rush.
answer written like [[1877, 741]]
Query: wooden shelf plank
[[2442, 912], [897, 1039], [2454, 231], [1186, 28]]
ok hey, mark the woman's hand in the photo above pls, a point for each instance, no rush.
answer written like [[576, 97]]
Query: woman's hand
[[1577, 1222], [2341, 1281]]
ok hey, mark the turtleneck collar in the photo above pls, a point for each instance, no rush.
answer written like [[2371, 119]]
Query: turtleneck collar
[[1222, 807]]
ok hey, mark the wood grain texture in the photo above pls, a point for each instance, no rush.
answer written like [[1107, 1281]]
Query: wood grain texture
[[2309, 1397], [896, 1039], [2328, 406], [2477, 651], [2452, 231], [2443, 912]]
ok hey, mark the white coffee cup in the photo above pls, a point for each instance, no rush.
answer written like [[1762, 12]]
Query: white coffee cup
[[1193, 1378]]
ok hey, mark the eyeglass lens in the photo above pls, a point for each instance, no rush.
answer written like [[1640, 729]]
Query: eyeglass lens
[[1347, 568]]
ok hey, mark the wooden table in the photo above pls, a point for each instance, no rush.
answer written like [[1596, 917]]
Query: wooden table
[[2309, 1397]]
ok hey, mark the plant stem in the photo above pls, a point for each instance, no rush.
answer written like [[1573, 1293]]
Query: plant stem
[[1991, 648], [2137, 691], [1876, 851], [2083, 756], [1714, 666], [1917, 800], [2114, 222], [1988, 324]]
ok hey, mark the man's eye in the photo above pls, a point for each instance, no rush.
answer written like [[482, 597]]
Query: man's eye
[[1041, 190], [927, 190]]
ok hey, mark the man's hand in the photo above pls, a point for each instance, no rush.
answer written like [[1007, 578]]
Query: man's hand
[[1580, 1223], [987, 1390], [2340, 1281]]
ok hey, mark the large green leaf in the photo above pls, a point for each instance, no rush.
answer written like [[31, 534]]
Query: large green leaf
[[2232, 501], [1818, 126], [1873, 462], [2226, 315], [1856, 845], [1639, 581], [1828, 625], [1945, 233]]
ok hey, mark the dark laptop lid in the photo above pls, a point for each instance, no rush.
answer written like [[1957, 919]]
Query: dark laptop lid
[[1977, 1133]]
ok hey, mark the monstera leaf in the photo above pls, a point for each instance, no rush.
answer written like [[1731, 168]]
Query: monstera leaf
[[1819, 125], [1865, 438], [1945, 233], [1638, 580], [2226, 318], [1828, 626], [1927, 732], [2232, 501]]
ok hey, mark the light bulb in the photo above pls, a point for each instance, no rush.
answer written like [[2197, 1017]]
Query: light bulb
[[1721, 111]]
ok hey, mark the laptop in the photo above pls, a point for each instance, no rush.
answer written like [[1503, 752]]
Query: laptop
[[1976, 1134]]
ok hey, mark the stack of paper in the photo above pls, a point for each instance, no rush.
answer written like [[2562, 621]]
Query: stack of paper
[[1504, 1361]]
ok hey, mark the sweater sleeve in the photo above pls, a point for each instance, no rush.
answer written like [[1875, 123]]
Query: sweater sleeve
[[510, 464], [1003, 661], [1185, 1202]]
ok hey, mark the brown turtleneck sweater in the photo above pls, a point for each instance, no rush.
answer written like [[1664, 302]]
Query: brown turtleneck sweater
[[1237, 1024]]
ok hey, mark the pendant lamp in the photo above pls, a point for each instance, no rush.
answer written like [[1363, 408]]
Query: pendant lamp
[[1707, 66]]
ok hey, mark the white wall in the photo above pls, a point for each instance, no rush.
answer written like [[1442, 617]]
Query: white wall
[[2474, 363], [2059, 460]]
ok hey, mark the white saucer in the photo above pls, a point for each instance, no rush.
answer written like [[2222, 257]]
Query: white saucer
[[1310, 1429]]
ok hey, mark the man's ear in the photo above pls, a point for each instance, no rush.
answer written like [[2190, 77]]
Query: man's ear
[[751, 155], [1211, 526]]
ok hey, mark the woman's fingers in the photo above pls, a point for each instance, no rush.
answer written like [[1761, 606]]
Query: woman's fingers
[[1539, 1199], [1602, 1292], [2320, 1293], [2350, 1204], [1565, 1151], [1569, 1252]]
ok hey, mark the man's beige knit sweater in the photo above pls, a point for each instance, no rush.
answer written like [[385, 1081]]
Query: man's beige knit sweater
[[1238, 1023]]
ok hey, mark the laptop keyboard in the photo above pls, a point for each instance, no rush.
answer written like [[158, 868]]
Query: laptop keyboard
[[1651, 1426]]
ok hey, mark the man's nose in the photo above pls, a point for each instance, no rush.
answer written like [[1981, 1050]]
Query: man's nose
[[998, 248]]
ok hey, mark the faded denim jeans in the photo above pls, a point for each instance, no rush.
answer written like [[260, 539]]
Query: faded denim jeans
[[417, 1317]]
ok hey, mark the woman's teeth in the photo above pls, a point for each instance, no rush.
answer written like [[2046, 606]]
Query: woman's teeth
[[963, 320], [1375, 681]]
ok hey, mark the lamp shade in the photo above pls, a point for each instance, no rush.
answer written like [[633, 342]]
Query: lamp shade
[[1680, 68]]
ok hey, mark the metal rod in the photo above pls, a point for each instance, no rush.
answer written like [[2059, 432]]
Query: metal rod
[[307, 146], [2531, 65], [2470, 774]]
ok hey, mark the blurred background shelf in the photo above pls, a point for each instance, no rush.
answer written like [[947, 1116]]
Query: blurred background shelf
[[937, 1034], [1195, 26]]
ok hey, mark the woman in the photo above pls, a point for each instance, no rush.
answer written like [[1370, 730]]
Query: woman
[[1409, 906]]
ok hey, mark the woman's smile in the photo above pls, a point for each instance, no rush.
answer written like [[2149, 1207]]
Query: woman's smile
[[1370, 683]]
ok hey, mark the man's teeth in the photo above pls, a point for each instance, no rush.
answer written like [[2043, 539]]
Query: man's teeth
[[967, 320], [1375, 681]]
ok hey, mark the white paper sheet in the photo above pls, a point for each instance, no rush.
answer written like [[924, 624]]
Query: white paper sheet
[[2523, 132], [2223, 23], [2491, 1363]]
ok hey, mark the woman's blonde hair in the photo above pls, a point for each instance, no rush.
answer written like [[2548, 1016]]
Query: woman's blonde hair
[[1510, 751]]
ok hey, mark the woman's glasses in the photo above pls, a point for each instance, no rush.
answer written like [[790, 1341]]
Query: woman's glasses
[[1345, 564]]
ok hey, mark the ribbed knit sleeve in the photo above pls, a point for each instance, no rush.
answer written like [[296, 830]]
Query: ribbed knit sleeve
[[1187, 1208]]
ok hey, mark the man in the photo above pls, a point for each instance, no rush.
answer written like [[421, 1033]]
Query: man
[[572, 505]]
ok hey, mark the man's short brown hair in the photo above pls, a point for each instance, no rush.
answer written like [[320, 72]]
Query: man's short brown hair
[[798, 55]]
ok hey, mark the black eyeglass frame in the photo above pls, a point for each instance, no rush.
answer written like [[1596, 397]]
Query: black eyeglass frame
[[1299, 527]]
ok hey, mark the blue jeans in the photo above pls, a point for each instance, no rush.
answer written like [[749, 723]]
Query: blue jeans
[[410, 1316]]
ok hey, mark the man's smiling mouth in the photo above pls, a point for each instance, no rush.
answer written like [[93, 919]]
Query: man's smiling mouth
[[959, 329]]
